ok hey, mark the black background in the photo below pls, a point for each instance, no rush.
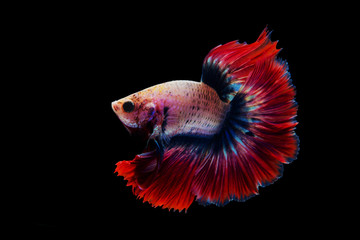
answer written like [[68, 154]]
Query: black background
[[75, 67]]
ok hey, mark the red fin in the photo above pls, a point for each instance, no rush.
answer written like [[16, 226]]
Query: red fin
[[229, 65], [140, 171], [170, 186], [272, 108], [256, 140]]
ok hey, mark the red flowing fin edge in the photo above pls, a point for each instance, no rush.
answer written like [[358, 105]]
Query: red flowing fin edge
[[228, 66], [140, 171], [272, 108], [170, 187], [234, 55]]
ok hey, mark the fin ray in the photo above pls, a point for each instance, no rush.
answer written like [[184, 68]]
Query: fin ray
[[227, 66]]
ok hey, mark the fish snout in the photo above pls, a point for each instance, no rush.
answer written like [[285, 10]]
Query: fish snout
[[115, 106]]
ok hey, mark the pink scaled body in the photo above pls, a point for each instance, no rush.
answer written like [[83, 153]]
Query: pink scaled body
[[188, 107]]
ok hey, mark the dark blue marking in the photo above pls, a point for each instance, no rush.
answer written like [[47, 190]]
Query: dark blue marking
[[216, 77]]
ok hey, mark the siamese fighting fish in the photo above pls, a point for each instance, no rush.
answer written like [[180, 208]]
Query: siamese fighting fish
[[218, 139]]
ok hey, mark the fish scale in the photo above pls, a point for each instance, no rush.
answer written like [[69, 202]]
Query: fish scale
[[196, 107]]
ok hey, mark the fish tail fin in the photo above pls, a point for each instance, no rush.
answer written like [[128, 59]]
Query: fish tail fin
[[257, 136]]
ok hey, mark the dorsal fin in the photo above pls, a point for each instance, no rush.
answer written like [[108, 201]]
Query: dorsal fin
[[226, 67]]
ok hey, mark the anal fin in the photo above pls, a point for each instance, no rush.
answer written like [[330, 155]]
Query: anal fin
[[140, 171]]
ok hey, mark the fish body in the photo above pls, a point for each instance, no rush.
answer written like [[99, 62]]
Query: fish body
[[177, 107], [216, 140]]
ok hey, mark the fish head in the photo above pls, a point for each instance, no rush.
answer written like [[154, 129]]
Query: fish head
[[137, 113]]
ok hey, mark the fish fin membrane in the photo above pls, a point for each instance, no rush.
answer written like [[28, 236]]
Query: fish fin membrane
[[169, 186], [140, 171], [228, 66], [257, 138]]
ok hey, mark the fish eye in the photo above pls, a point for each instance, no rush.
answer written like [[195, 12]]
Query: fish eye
[[128, 106]]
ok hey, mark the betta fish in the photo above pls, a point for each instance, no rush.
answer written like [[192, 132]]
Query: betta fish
[[217, 139]]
